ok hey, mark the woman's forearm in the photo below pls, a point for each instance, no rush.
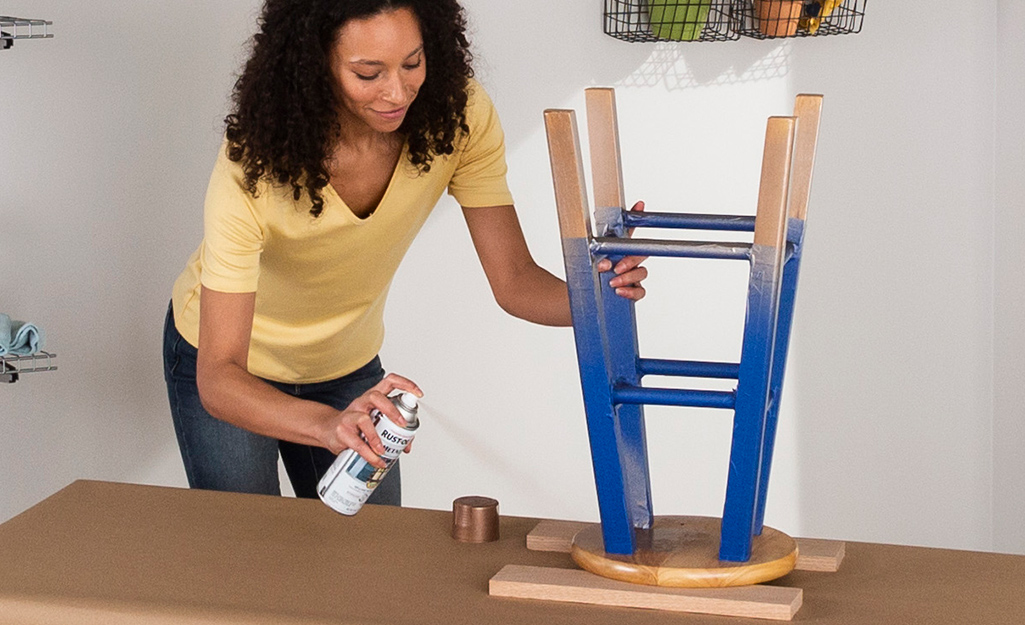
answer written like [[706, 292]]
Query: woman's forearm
[[535, 295], [234, 395]]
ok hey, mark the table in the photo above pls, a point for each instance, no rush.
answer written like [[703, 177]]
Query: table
[[110, 553]]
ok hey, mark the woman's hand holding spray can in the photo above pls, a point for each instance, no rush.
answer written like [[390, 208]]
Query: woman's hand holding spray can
[[351, 479]]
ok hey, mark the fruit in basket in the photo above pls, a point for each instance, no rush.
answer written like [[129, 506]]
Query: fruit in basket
[[679, 20]]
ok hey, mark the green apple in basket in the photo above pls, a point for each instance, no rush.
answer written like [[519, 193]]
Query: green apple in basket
[[680, 20]]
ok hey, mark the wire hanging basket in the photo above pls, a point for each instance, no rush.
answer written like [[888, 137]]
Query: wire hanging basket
[[640, 21], [770, 19], [670, 20]]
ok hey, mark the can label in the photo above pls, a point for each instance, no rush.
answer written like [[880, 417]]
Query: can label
[[351, 479]]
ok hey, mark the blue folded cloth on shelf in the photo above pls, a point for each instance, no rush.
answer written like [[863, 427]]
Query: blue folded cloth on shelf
[[18, 338]]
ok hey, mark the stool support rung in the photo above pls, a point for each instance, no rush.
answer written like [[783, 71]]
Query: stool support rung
[[688, 368], [615, 246], [689, 221], [630, 394]]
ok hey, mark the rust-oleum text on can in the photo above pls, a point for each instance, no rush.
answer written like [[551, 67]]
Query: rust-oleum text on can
[[351, 479]]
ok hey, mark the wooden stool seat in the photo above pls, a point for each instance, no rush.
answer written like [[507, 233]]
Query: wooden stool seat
[[683, 552]]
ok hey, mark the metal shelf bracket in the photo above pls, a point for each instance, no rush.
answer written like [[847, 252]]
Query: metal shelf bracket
[[12, 28], [11, 367]]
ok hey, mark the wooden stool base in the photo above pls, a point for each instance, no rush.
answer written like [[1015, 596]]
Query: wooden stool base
[[683, 552]]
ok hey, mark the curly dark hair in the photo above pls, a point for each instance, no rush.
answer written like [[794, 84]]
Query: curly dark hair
[[284, 119]]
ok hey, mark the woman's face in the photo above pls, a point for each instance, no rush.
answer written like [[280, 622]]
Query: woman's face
[[379, 65]]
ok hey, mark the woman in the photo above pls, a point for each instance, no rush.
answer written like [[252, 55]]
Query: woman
[[350, 120]]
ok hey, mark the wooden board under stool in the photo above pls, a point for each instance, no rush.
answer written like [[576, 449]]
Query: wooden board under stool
[[576, 586]]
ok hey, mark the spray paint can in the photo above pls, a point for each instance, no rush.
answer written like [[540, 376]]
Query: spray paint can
[[351, 479]]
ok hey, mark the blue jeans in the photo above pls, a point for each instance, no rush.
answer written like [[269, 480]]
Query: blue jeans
[[224, 457]]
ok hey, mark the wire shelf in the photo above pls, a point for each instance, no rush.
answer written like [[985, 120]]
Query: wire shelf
[[670, 20], [12, 28], [639, 21], [13, 366], [771, 19]]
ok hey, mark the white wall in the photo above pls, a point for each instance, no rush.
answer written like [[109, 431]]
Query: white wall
[[109, 132], [1009, 284], [888, 429]]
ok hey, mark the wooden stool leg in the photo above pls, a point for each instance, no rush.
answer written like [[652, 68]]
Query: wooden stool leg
[[603, 424], [767, 255], [807, 110]]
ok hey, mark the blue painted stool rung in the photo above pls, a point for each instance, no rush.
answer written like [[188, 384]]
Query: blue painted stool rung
[[688, 368], [605, 325], [631, 394]]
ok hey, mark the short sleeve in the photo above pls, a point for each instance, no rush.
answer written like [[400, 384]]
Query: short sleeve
[[232, 232], [480, 175]]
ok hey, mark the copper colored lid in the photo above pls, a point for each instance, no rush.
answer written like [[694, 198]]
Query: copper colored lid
[[475, 519]]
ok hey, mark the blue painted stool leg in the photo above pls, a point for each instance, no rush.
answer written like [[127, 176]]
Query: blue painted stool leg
[[621, 329], [620, 320], [624, 355], [589, 330], [787, 297], [808, 110], [749, 418], [603, 423]]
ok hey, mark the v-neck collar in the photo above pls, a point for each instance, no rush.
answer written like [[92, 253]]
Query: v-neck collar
[[350, 215]]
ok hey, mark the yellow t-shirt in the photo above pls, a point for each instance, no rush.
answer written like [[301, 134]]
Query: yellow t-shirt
[[321, 283]]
